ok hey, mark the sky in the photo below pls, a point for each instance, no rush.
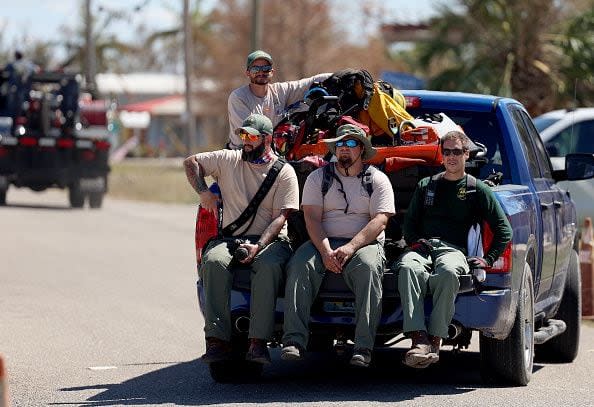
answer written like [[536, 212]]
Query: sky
[[42, 19]]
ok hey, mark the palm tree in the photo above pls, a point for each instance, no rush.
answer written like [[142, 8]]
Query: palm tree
[[504, 47]]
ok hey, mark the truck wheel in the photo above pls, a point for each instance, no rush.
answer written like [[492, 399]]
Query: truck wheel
[[564, 348], [96, 199], [237, 370], [510, 360], [76, 196]]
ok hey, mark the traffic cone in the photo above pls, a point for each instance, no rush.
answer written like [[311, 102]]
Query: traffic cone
[[4, 402], [587, 269]]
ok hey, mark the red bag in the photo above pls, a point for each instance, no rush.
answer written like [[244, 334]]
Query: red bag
[[206, 228]]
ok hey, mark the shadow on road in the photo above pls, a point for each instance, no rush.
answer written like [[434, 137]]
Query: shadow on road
[[41, 206], [320, 378]]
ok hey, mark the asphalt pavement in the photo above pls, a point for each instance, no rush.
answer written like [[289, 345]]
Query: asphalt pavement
[[98, 308]]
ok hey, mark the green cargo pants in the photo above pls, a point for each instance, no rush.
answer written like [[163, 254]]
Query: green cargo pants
[[266, 282], [362, 274], [436, 275]]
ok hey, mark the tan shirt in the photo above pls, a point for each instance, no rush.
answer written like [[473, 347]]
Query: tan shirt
[[239, 181], [361, 208], [242, 102]]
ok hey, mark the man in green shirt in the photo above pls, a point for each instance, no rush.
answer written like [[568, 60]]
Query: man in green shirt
[[436, 228]]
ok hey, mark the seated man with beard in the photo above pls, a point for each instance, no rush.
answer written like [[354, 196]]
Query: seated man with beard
[[346, 230], [239, 174]]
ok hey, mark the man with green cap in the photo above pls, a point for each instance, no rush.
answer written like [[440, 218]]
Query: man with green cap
[[239, 174], [263, 97], [346, 229]]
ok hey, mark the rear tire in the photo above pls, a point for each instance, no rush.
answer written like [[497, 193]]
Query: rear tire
[[564, 348], [76, 196], [96, 199], [511, 360]]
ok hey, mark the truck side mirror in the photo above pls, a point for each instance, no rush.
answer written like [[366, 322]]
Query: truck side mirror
[[579, 166]]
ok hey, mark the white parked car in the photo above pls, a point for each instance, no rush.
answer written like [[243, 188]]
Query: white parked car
[[570, 131]]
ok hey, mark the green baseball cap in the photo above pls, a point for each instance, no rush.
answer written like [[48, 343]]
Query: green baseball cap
[[258, 54], [256, 124]]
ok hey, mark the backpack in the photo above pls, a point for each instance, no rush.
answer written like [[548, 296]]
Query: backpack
[[353, 87], [366, 175], [429, 192]]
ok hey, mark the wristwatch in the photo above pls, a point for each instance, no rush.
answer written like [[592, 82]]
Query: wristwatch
[[260, 245]]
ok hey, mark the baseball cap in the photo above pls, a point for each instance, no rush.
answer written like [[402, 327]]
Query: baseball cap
[[258, 54], [256, 124]]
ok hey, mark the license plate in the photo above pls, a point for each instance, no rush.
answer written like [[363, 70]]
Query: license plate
[[84, 144], [339, 306], [47, 142]]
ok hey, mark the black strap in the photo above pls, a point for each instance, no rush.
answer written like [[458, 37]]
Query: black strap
[[366, 176], [432, 185], [250, 210]]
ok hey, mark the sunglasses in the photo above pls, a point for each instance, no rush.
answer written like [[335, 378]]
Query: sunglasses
[[244, 135], [455, 151], [349, 143], [264, 68]]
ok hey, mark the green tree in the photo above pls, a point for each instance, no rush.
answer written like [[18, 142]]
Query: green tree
[[505, 47]]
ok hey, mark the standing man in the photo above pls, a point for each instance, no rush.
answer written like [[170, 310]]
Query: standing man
[[263, 97], [436, 227], [239, 174], [346, 229]]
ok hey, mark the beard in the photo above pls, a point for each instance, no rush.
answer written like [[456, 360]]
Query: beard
[[345, 161], [260, 79], [253, 155]]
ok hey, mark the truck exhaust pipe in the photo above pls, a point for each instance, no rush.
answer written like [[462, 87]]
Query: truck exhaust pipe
[[454, 330], [242, 324]]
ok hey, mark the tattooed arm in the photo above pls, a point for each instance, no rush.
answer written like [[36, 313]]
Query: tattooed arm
[[195, 175]]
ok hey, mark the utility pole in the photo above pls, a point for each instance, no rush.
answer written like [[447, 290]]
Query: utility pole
[[256, 38], [91, 65], [188, 65]]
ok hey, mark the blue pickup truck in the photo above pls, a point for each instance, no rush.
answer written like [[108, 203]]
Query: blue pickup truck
[[530, 301]]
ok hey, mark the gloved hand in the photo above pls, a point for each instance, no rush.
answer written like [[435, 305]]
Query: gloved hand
[[476, 262], [421, 246]]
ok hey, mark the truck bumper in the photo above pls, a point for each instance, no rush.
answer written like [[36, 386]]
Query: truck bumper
[[487, 312]]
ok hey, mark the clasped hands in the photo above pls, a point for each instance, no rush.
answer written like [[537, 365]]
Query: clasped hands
[[334, 260]]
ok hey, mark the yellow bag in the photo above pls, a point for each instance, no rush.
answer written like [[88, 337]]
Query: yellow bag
[[386, 112]]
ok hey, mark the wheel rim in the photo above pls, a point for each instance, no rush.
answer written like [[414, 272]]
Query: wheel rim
[[528, 304]]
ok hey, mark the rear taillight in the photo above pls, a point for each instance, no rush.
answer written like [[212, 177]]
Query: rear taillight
[[102, 145], [28, 141], [412, 102], [65, 143], [503, 263]]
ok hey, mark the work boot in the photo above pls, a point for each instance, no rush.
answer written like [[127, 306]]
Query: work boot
[[435, 345], [217, 350], [421, 353], [361, 357], [258, 352], [292, 351]]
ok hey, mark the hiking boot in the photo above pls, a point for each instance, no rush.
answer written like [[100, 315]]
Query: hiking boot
[[421, 353], [361, 357], [435, 344], [217, 350], [258, 352], [291, 351]]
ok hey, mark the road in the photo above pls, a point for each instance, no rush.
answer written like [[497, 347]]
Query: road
[[98, 308]]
